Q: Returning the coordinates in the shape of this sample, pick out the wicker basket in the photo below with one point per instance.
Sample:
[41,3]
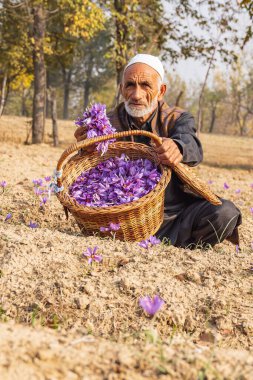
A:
[139,219]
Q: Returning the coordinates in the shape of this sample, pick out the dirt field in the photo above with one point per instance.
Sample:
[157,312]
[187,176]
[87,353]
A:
[62,319]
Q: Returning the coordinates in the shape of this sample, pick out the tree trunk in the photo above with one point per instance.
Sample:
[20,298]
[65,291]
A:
[51,96]
[39,75]
[3,96]
[178,98]
[121,36]
[47,100]
[87,83]
[86,94]
[201,95]
[67,79]
[213,118]
[54,118]
[25,95]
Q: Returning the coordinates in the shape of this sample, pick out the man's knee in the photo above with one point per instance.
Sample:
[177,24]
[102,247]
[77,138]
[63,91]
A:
[228,213]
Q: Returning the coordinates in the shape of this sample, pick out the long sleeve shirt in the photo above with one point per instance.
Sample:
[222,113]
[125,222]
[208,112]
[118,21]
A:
[183,132]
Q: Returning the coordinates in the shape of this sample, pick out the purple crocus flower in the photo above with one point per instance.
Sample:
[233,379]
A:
[38,182]
[151,306]
[144,244]
[47,178]
[237,248]
[114,226]
[91,254]
[251,210]
[150,242]
[3,184]
[237,191]
[43,201]
[8,216]
[154,240]
[38,191]
[32,224]
[104,229]
[209,182]
[96,122]
[226,186]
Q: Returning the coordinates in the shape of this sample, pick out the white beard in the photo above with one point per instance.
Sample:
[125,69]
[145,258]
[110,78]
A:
[136,112]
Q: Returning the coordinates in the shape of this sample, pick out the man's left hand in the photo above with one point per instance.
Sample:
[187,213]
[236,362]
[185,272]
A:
[169,153]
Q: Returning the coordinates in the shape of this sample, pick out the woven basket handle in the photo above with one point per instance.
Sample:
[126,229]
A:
[87,142]
[181,170]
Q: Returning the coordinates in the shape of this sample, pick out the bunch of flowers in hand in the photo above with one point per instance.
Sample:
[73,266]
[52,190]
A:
[96,122]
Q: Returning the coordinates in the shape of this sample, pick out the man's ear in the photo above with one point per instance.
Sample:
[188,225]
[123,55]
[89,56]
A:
[163,89]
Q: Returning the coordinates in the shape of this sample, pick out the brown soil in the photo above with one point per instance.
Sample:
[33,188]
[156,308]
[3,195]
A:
[61,319]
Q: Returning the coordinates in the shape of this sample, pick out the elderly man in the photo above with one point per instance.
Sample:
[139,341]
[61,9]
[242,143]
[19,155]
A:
[189,220]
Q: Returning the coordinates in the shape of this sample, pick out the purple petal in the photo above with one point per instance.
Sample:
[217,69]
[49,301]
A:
[3,184]
[114,226]
[104,229]
[154,240]
[144,244]
[8,216]
[32,225]
[98,258]
[151,306]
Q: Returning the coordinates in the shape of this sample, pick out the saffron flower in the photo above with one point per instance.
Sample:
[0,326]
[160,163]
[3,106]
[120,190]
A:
[47,178]
[8,216]
[97,124]
[38,191]
[3,184]
[38,182]
[150,242]
[43,201]
[104,229]
[114,226]
[92,256]
[144,244]
[115,181]
[151,306]
[154,240]
[226,186]
[209,182]
[237,191]
[33,224]
[237,248]
[251,210]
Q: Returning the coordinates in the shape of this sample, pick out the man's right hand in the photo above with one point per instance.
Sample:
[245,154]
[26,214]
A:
[80,135]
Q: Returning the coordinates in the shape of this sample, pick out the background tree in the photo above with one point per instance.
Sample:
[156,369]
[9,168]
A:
[79,19]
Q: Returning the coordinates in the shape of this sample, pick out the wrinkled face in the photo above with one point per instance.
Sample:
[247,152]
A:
[141,89]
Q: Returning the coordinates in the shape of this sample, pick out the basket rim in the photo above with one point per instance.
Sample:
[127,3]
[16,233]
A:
[71,203]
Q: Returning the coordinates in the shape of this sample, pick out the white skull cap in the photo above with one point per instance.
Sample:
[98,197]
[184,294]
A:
[149,60]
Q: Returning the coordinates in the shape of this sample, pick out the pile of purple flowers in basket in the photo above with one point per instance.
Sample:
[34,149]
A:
[115,181]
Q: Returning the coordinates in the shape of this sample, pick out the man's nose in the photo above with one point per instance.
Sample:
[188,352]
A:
[137,93]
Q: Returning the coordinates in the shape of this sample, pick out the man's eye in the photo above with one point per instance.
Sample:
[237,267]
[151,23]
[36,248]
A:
[129,85]
[146,85]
